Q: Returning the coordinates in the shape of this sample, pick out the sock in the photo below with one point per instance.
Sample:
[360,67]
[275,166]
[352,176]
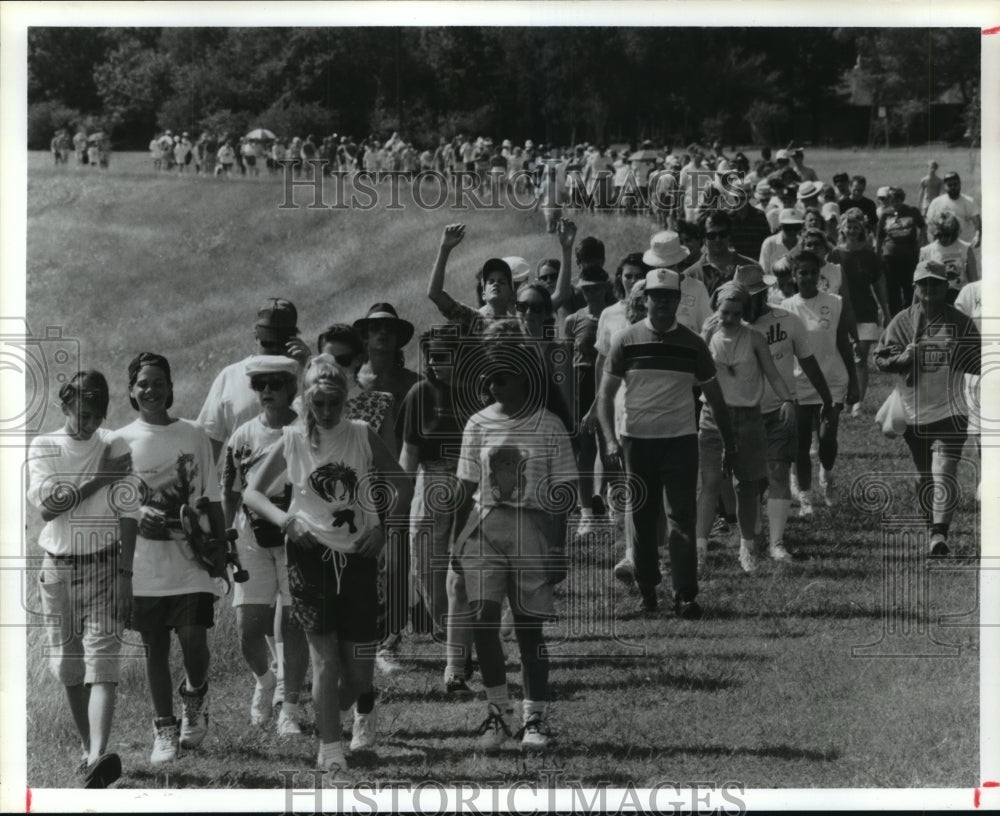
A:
[824,475]
[201,690]
[777,518]
[279,656]
[269,640]
[331,753]
[529,707]
[746,544]
[290,710]
[366,702]
[159,722]
[498,696]
[266,680]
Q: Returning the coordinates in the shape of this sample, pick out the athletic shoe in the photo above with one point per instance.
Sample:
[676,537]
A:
[194,723]
[107,768]
[856,410]
[688,610]
[166,735]
[334,770]
[829,490]
[778,552]
[261,706]
[721,529]
[625,571]
[456,688]
[939,546]
[747,560]
[288,722]
[365,732]
[533,738]
[805,504]
[81,769]
[493,731]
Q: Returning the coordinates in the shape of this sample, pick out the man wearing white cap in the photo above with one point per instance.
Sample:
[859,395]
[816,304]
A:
[782,242]
[929,346]
[661,361]
[665,252]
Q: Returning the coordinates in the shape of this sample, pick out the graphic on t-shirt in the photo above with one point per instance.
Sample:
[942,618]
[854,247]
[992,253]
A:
[507,477]
[168,493]
[337,482]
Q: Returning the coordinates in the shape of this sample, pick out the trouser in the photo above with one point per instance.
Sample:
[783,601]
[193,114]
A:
[808,419]
[668,469]
[899,281]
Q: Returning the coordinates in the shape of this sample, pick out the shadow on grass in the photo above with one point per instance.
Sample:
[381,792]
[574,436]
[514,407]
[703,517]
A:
[583,662]
[617,750]
[142,778]
[564,689]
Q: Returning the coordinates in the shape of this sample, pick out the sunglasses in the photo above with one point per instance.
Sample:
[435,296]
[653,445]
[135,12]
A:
[525,306]
[263,383]
[344,360]
[712,236]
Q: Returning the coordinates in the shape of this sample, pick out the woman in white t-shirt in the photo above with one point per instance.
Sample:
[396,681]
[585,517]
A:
[955,254]
[334,530]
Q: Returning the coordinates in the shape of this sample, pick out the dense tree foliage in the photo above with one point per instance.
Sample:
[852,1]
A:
[549,84]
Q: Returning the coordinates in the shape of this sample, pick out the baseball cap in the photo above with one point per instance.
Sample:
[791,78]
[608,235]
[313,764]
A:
[520,269]
[496,265]
[951,174]
[789,216]
[277,320]
[930,269]
[665,280]
[882,192]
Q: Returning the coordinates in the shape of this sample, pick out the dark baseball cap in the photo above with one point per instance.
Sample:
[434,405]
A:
[277,319]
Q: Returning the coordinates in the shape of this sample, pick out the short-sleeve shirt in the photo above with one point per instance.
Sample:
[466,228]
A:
[471,321]
[230,403]
[581,327]
[866,205]
[737,368]
[862,269]
[612,319]
[176,466]
[964,208]
[56,458]
[695,305]
[900,231]
[954,257]
[516,461]
[970,302]
[431,422]
[788,341]
[821,316]
[660,370]
[245,452]
[331,481]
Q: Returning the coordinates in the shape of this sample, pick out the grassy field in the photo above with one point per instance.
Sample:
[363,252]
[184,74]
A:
[768,689]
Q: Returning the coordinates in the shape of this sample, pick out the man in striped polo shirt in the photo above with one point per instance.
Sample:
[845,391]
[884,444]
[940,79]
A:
[661,361]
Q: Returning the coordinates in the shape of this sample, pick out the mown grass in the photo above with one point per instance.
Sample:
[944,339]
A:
[764,690]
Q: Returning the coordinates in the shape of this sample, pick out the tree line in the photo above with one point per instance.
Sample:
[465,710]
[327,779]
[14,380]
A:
[552,85]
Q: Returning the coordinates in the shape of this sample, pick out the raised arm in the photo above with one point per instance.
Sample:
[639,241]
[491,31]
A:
[450,238]
[561,299]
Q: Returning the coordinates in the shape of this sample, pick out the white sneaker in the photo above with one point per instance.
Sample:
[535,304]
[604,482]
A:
[586,527]
[533,737]
[856,410]
[493,731]
[778,552]
[805,504]
[288,721]
[194,723]
[747,560]
[365,732]
[334,770]
[261,708]
[165,741]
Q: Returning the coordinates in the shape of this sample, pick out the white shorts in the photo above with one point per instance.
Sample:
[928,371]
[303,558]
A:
[869,331]
[268,575]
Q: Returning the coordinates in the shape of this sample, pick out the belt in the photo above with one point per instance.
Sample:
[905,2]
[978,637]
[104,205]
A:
[90,558]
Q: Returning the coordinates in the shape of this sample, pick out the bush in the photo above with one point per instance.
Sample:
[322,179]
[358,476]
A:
[45,118]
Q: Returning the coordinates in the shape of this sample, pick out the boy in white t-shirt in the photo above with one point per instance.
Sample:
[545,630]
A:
[85,581]
[173,458]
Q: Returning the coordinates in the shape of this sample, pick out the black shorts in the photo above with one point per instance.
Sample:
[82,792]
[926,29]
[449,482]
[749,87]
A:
[334,593]
[152,613]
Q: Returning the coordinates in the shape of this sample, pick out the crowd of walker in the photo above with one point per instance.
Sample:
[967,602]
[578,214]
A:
[711,368]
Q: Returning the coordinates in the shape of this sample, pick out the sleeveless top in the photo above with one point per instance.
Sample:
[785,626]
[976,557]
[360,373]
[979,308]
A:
[331,486]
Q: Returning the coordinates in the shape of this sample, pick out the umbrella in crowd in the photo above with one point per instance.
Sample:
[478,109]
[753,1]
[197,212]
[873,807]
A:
[260,135]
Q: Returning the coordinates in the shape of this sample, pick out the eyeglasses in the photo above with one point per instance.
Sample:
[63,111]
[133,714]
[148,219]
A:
[714,236]
[530,307]
[263,383]
[344,360]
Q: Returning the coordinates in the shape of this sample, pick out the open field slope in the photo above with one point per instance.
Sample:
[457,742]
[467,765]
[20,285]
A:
[768,689]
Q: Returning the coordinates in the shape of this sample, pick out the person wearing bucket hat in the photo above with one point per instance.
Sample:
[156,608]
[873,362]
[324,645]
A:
[661,361]
[788,344]
[808,194]
[385,334]
[743,363]
[667,252]
[85,581]
[261,546]
[929,347]
[494,288]
[790,224]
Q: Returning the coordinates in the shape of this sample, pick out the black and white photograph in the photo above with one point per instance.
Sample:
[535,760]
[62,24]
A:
[504,406]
